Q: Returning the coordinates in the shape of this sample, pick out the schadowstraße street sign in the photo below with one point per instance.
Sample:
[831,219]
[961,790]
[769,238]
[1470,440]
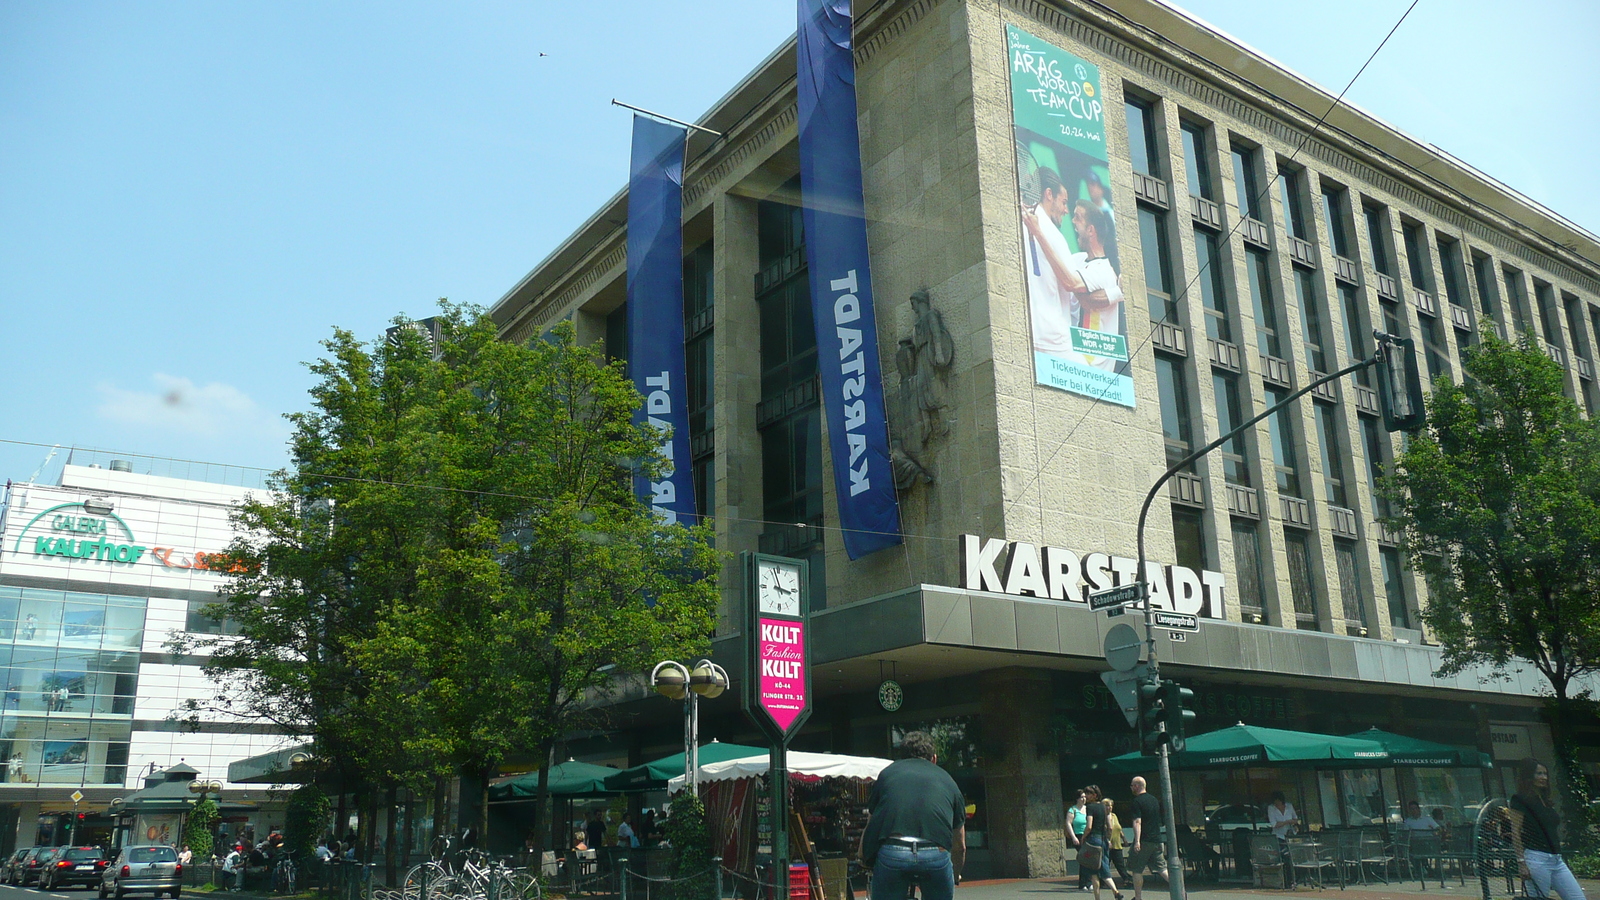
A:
[1117,596]
[1176,621]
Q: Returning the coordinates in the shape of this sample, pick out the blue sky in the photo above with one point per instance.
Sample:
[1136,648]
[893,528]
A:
[193,194]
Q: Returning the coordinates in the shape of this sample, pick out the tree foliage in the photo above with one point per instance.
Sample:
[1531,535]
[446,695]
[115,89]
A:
[197,830]
[1498,502]
[690,836]
[457,560]
[305,818]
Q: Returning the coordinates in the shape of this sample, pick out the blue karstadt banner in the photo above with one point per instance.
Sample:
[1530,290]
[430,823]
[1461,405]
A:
[835,224]
[655,310]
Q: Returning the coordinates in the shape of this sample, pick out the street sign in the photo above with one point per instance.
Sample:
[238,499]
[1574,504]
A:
[1117,596]
[1124,688]
[1115,611]
[1178,637]
[1178,621]
[1122,647]
[77,796]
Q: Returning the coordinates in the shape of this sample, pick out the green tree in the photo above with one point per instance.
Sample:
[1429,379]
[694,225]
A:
[305,818]
[197,830]
[457,561]
[1499,504]
[690,836]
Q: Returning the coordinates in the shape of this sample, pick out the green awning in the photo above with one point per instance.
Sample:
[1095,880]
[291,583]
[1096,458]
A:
[569,779]
[1252,745]
[654,775]
[1410,751]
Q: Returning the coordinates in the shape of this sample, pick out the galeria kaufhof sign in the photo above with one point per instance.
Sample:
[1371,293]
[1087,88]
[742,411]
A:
[71,531]
[1051,573]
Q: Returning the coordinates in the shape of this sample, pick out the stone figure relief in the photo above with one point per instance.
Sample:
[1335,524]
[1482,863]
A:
[923,360]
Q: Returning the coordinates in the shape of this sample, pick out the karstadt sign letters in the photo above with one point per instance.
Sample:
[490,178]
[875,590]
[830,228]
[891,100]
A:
[1024,569]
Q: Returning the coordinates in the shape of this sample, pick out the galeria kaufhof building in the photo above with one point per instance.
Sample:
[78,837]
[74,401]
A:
[1249,255]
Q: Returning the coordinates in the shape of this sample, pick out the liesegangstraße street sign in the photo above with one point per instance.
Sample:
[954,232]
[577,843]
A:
[1176,621]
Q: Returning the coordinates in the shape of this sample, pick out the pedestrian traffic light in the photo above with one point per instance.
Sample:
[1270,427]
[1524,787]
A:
[1177,699]
[1152,717]
[1399,383]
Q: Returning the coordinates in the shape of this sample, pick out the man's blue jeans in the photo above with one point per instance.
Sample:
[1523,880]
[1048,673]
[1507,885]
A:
[898,867]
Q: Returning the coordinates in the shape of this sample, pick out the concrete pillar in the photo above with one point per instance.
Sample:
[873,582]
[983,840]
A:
[27,824]
[1022,774]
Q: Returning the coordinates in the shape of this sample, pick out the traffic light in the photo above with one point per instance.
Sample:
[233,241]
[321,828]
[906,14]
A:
[1399,383]
[1152,717]
[1177,699]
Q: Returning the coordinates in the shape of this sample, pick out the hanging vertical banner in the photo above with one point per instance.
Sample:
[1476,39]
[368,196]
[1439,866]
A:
[1069,238]
[834,218]
[655,311]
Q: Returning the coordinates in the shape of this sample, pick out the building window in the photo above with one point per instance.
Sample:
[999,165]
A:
[1196,161]
[1355,335]
[1175,422]
[1213,289]
[1280,426]
[1434,347]
[1189,538]
[1450,263]
[1260,270]
[1514,298]
[1332,457]
[1581,346]
[699,303]
[1483,273]
[1142,137]
[1245,189]
[1378,236]
[1394,587]
[617,334]
[1393,322]
[1290,183]
[1301,585]
[1247,571]
[788,416]
[1305,288]
[1416,255]
[1338,230]
[1548,322]
[199,623]
[1352,596]
[1157,265]
[1375,465]
[1230,415]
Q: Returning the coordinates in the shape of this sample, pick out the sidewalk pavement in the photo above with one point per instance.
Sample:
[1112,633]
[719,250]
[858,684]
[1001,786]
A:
[1156,889]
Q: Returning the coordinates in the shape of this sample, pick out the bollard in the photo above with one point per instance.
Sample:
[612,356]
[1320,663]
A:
[622,873]
[716,866]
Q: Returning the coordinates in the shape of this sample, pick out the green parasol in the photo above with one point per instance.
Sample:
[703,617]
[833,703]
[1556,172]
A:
[1410,751]
[1252,745]
[569,779]
[654,775]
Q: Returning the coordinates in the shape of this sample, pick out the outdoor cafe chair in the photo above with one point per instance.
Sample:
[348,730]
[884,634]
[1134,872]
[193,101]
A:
[1309,857]
[1375,852]
[1266,858]
[1348,847]
[1424,851]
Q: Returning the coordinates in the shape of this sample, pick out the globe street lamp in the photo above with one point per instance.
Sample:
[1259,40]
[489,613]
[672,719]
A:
[199,787]
[675,682]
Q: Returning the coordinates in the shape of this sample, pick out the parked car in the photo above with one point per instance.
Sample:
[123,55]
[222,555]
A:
[143,869]
[1227,818]
[73,865]
[34,863]
[9,867]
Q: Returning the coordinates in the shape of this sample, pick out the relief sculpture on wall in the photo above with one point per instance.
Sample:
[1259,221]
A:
[923,360]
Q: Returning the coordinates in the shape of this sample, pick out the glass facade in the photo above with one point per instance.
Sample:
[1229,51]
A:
[71,674]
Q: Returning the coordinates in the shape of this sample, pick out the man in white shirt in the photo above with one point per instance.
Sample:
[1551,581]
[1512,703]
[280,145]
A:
[1043,243]
[1282,817]
[1097,305]
[1416,821]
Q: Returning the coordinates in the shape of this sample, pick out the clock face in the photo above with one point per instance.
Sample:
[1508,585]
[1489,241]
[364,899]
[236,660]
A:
[778,587]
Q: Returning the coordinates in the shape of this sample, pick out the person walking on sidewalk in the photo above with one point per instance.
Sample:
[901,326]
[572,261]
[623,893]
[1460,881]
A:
[1146,837]
[1539,833]
[1097,843]
[1075,824]
[1119,840]
[916,831]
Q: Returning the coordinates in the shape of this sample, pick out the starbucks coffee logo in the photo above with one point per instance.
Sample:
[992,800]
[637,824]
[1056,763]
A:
[890,696]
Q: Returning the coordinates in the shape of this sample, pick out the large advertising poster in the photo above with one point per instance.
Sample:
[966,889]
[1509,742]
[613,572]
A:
[1078,319]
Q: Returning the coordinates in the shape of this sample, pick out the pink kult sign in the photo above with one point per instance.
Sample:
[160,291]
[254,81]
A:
[781,656]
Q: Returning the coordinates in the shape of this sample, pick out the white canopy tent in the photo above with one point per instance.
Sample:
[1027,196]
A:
[809,765]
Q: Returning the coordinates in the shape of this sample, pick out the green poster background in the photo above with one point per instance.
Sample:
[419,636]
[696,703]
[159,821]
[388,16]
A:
[1058,120]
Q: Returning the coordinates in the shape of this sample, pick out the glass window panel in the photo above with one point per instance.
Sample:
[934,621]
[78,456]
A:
[1355,335]
[1141,137]
[1394,587]
[1230,414]
[1450,263]
[1265,308]
[1483,272]
[1174,408]
[1194,157]
[1311,320]
[1213,290]
[1157,264]
[1293,209]
[1301,585]
[1547,313]
[1514,297]
[1247,566]
[1354,599]
[1333,211]
[1376,460]
[1378,236]
[1280,426]
[1416,255]
[1189,538]
[1332,457]
[1244,182]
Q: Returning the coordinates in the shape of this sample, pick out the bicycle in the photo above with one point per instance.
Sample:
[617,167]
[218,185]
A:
[284,875]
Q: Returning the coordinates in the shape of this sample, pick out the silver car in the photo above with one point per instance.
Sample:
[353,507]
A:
[143,868]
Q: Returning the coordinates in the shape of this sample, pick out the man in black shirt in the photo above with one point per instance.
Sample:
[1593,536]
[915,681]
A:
[917,833]
[1146,821]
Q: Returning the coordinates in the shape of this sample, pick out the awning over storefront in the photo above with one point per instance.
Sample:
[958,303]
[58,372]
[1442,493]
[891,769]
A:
[806,765]
[1410,751]
[1252,745]
[569,779]
[654,775]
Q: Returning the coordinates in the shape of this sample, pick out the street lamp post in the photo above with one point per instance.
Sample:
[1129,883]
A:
[199,788]
[673,681]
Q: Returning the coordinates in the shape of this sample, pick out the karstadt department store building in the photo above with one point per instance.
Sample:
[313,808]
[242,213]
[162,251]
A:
[1251,251]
